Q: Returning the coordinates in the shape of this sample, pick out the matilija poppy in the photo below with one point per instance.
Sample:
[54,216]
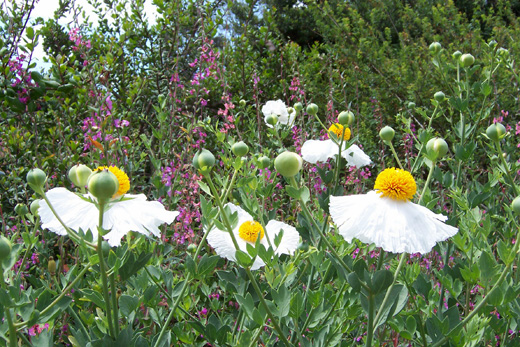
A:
[248,231]
[387,218]
[314,151]
[278,109]
[123,213]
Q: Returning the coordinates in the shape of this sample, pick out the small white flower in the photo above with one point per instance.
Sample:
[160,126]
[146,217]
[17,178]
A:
[388,219]
[279,109]
[221,240]
[122,214]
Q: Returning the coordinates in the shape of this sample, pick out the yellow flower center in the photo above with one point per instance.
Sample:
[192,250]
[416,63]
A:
[396,184]
[250,231]
[122,178]
[337,129]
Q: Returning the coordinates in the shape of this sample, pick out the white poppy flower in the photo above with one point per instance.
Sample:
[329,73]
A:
[247,231]
[122,214]
[387,217]
[278,109]
[314,151]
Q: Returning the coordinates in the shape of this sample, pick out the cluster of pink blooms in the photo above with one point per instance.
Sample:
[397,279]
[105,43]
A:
[297,93]
[227,114]
[79,43]
[22,79]
[37,329]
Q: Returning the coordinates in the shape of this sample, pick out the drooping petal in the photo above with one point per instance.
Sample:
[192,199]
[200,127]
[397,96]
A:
[135,213]
[314,151]
[74,211]
[290,239]
[356,157]
[395,226]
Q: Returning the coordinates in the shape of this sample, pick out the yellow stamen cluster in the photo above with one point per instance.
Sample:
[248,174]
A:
[250,231]
[337,129]
[396,184]
[122,177]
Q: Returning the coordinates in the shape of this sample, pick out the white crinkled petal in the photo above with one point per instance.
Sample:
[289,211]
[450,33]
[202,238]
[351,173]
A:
[396,226]
[314,151]
[290,238]
[278,108]
[135,213]
[356,157]
[75,212]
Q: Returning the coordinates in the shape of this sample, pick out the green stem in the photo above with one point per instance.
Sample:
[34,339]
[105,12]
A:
[506,168]
[12,329]
[281,335]
[427,183]
[395,154]
[115,307]
[370,331]
[103,271]
[256,336]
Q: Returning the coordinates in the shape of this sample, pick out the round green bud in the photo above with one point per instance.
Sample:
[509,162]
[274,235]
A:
[387,134]
[492,43]
[515,205]
[34,207]
[312,109]
[346,118]
[466,60]
[496,132]
[456,55]
[203,159]
[5,247]
[411,104]
[36,179]
[51,266]
[192,248]
[439,96]
[435,47]
[290,110]
[242,103]
[502,52]
[437,148]
[21,209]
[298,106]
[103,184]
[240,149]
[79,174]
[271,119]
[264,162]
[288,164]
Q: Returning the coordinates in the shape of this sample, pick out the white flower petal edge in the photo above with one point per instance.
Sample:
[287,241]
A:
[395,226]
[221,241]
[133,213]
[314,151]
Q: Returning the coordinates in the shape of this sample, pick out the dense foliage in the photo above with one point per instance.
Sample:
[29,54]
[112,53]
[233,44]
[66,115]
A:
[147,95]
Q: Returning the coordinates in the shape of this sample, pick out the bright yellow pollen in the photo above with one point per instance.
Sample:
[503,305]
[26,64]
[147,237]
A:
[122,177]
[396,184]
[337,129]
[250,231]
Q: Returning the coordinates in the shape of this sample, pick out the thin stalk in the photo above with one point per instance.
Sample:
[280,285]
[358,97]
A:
[371,308]
[506,168]
[281,335]
[113,293]
[12,329]
[427,183]
[256,336]
[395,154]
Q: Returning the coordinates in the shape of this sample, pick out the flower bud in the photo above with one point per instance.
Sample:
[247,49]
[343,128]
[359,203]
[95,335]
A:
[298,106]
[242,103]
[34,207]
[346,118]
[496,132]
[436,148]
[5,248]
[288,164]
[51,266]
[312,109]
[264,162]
[103,184]
[21,209]
[79,174]
[271,119]
[387,134]
[192,248]
[203,159]
[290,110]
[36,179]
[240,149]
[492,43]
[435,48]
[411,104]
[439,96]
[456,55]
[515,205]
[466,60]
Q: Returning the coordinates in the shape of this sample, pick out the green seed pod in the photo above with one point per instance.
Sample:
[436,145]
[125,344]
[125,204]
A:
[298,107]
[312,109]
[5,247]
[439,96]
[515,205]
[21,209]
[34,207]
[346,118]
[36,179]
[288,164]
[79,175]
[435,48]
[103,184]
[264,162]
[387,134]
[466,60]
[240,149]
[496,132]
